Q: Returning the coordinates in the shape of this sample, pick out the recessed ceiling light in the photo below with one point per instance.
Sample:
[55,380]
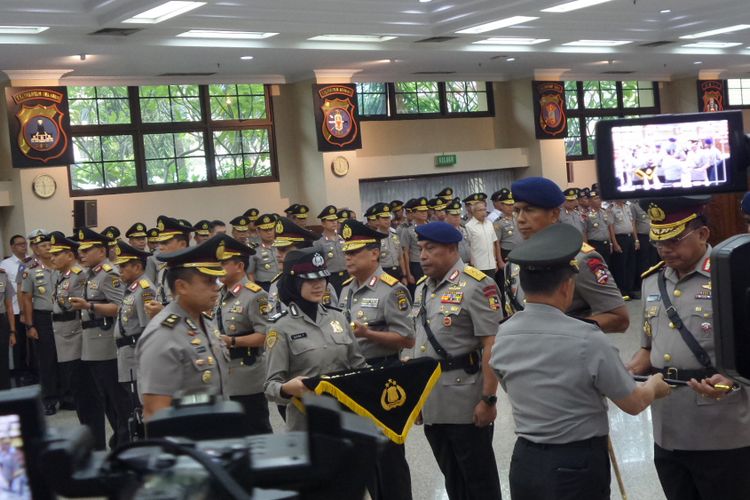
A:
[247,58]
[698,62]
[704,34]
[577,4]
[351,38]
[163,12]
[510,40]
[496,25]
[22,30]
[425,1]
[244,35]
[712,45]
[510,59]
[597,43]
[665,11]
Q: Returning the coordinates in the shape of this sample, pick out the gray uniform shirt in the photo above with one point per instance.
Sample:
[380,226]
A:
[243,310]
[103,286]
[622,217]
[299,346]
[685,420]
[5,290]
[464,246]
[333,253]
[507,232]
[390,250]
[642,220]
[409,241]
[176,353]
[37,281]
[461,307]
[263,264]
[152,267]
[163,292]
[573,218]
[597,225]
[131,321]
[383,303]
[557,371]
[68,333]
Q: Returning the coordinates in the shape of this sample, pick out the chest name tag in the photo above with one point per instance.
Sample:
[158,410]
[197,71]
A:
[653,298]
[452,298]
[370,302]
[298,336]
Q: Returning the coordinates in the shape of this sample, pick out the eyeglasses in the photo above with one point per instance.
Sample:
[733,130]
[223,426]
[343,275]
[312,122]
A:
[671,243]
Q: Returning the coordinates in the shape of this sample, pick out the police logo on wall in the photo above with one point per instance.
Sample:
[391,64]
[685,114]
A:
[710,95]
[549,109]
[39,126]
[336,117]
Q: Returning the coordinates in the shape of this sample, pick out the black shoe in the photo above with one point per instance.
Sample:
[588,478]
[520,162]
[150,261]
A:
[635,295]
[68,405]
[50,409]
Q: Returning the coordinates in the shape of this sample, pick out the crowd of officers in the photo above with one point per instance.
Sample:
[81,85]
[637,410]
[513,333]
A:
[125,323]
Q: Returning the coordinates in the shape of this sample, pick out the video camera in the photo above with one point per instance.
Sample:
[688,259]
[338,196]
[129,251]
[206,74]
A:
[684,155]
[332,460]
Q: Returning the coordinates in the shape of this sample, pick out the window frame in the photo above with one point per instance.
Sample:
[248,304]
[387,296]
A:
[727,105]
[206,126]
[581,113]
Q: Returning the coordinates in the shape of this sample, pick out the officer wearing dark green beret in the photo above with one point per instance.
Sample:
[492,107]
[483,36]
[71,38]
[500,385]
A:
[330,246]
[557,371]
[181,349]
[263,265]
[136,235]
[201,231]
[701,432]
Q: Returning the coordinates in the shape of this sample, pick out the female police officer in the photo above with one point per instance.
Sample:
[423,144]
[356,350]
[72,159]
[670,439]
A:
[307,339]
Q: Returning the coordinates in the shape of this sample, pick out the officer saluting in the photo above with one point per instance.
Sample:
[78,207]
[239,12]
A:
[457,310]
[557,370]
[180,349]
[702,448]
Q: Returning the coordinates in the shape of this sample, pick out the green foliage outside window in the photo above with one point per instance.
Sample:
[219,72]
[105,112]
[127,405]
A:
[98,105]
[103,162]
[242,154]
[245,101]
[466,97]
[372,99]
[417,97]
[169,103]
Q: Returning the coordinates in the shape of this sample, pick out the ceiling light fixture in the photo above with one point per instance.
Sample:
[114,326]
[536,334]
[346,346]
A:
[82,57]
[242,35]
[509,40]
[247,58]
[704,34]
[698,62]
[351,38]
[712,45]
[597,43]
[22,30]
[163,12]
[496,25]
[577,4]
[425,1]
[510,59]
[665,11]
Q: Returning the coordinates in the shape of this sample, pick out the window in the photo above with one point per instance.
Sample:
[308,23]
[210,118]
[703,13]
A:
[588,102]
[738,92]
[409,100]
[170,136]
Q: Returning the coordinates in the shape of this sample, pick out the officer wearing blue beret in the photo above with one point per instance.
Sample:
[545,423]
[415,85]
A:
[457,310]
[537,205]
[745,207]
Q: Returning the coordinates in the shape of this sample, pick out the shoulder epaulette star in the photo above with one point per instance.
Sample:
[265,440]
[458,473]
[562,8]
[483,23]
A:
[421,279]
[347,281]
[586,248]
[474,273]
[652,270]
[106,267]
[145,284]
[388,279]
[76,270]
[277,316]
[170,321]
[253,287]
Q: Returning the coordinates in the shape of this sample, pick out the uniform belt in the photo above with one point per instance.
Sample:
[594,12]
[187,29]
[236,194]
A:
[469,362]
[249,354]
[382,360]
[102,323]
[684,375]
[129,340]
[593,442]
[65,316]
[605,242]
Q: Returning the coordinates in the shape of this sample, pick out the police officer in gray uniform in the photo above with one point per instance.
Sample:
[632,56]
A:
[263,266]
[596,295]
[308,339]
[377,306]
[457,310]
[181,349]
[701,432]
[101,300]
[36,303]
[646,256]
[173,236]
[598,227]
[569,213]
[625,245]
[453,212]
[137,237]
[329,244]
[7,328]
[558,372]
[418,208]
[241,316]
[69,281]
[505,225]
[391,254]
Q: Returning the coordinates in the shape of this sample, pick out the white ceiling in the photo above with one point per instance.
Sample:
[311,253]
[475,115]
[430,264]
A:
[290,56]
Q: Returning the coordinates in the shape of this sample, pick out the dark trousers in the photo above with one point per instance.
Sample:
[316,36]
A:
[415,268]
[4,352]
[703,475]
[504,254]
[24,357]
[86,399]
[114,398]
[465,457]
[623,264]
[573,471]
[391,479]
[45,344]
[337,279]
[645,257]
[256,410]
[490,272]
[395,271]
[603,249]
[265,285]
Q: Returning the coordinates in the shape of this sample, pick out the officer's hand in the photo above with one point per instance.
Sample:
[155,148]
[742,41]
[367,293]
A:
[31,332]
[12,339]
[707,386]
[295,387]
[226,339]
[79,303]
[359,329]
[661,388]
[404,281]
[640,363]
[152,308]
[617,248]
[637,244]
[484,414]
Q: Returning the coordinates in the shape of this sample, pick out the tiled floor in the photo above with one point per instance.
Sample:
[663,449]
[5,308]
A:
[631,437]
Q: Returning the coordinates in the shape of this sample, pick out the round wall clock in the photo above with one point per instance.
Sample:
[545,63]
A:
[340,166]
[44,186]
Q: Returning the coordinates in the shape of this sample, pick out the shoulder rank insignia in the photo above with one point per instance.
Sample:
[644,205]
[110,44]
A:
[253,287]
[347,281]
[208,315]
[76,270]
[586,248]
[170,321]
[474,273]
[421,279]
[277,316]
[652,270]
[388,279]
[145,284]
[106,267]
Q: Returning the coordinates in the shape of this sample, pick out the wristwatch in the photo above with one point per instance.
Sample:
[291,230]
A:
[490,400]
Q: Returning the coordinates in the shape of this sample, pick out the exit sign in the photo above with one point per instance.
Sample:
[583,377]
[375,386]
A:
[445,160]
